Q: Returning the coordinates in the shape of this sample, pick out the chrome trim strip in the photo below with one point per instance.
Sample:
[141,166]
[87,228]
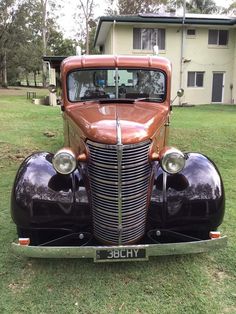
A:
[117,82]
[124,183]
[127,146]
[105,196]
[118,131]
[103,165]
[119,161]
[90,251]
[115,198]
[105,181]
[164,187]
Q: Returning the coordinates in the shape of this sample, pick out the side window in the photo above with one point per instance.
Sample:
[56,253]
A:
[147,38]
[191,32]
[73,87]
[218,37]
[195,79]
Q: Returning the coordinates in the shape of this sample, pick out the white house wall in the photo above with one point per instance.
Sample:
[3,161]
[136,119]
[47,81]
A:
[197,55]
[108,44]
[208,59]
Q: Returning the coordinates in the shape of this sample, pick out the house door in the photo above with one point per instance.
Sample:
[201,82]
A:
[217,87]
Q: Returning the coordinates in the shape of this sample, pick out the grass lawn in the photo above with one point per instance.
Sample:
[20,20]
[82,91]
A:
[204,283]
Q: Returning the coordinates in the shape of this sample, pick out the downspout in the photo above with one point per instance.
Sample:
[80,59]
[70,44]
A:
[182,49]
[49,70]
[113,37]
[52,81]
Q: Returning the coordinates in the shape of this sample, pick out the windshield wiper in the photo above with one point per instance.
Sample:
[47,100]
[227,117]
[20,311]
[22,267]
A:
[116,100]
[159,99]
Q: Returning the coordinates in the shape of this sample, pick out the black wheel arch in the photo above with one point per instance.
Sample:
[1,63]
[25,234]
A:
[191,199]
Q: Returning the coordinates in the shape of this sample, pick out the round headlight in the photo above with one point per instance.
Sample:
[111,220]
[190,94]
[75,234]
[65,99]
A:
[64,161]
[173,161]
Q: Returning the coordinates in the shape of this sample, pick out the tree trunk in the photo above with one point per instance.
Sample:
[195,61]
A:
[35,79]
[44,40]
[87,38]
[27,79]
[4,72]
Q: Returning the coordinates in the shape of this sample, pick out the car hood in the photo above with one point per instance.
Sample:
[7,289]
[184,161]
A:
[98,122]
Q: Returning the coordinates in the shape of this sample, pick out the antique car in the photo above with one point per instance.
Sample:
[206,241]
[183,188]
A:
[116,191]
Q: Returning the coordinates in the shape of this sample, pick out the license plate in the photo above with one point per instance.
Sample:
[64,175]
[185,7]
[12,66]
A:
[120,254]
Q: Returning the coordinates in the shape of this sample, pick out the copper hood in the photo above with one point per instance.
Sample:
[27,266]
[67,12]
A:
[139,121]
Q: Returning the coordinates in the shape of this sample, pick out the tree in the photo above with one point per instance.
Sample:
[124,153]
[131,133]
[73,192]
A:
[112,8]
[85,16]
[152,6]
[92,34]
[58,46]
[25,53]
[201,6]
[139,6]
[26,34]
[230,10]
[232,6]
[134,7]
[42,21]
[19,38]
[7,12]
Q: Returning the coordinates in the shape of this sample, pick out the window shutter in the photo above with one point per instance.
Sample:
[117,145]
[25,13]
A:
[161,38]
[136,38]
[212,37]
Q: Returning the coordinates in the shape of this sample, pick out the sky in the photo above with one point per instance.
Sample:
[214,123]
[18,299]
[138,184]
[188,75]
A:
[67,23]
[223,3]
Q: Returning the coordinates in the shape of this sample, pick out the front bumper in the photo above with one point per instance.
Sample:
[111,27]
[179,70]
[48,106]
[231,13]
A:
[118,253]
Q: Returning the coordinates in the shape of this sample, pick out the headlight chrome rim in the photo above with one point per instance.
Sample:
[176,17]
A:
[64,161]
[173,161]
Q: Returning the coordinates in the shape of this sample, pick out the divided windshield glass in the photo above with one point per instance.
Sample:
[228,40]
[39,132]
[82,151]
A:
[122,83]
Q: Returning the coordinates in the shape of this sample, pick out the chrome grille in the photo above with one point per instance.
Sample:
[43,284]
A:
[108,195]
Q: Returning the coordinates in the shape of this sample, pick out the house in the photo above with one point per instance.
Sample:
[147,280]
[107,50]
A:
[54,64]
[202,49]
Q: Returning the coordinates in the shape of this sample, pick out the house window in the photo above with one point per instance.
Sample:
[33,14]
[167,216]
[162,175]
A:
[147,38]
[191,32]
[195,79]
[218,37]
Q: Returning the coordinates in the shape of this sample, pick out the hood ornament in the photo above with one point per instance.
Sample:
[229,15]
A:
[118,130]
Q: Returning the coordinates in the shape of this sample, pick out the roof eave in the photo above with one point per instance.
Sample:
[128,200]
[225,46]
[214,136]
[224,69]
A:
[162,20]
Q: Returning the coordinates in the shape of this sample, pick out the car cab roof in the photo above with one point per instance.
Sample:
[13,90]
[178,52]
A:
[100,61]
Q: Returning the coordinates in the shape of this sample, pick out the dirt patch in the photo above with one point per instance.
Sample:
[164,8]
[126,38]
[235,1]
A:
[10,152]
[49,134]
[21,91]
[220,275]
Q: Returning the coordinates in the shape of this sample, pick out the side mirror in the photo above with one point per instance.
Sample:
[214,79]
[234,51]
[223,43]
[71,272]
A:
[52,88]
[180,92]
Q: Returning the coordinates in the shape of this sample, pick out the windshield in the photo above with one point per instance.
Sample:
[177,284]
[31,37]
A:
[116,83]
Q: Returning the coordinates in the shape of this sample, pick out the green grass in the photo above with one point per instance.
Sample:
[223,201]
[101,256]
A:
[204,283]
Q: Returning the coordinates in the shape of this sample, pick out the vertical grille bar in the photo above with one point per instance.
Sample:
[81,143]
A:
[119,164]
[119,177]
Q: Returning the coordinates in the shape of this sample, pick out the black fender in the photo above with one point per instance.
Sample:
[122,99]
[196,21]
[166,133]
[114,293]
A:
[42,198]
[190,200]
